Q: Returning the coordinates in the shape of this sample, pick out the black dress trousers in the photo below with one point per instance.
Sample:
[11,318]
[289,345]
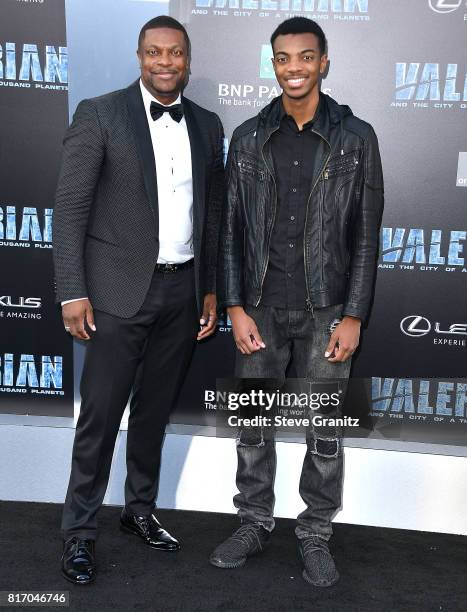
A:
[146,356]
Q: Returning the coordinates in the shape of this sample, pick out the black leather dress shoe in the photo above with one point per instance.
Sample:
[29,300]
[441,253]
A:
[78,564]
[150,530]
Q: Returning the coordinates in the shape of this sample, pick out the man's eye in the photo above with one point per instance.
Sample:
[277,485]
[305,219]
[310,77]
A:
[281,60]
[308,57]
[152,52]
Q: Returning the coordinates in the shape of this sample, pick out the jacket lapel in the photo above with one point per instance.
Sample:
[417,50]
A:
[198,166]
[144,146]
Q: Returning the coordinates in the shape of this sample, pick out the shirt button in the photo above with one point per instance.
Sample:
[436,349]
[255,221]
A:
[294,189]
[292,218]
[289,274]
[295,163]
[291,245]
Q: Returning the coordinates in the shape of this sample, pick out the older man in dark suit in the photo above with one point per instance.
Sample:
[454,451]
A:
[135,247]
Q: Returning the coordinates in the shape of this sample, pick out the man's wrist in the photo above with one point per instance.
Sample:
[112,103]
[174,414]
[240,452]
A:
[353,319]
[232,311]
[73,300]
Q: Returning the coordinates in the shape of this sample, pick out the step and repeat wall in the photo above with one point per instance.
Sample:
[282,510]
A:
[36,357]
[409,376]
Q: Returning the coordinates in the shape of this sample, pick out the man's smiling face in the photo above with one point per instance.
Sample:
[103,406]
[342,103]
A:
[164,63]
[298,64]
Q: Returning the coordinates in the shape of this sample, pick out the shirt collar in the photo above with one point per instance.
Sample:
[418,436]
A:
[148,98]
[283,115]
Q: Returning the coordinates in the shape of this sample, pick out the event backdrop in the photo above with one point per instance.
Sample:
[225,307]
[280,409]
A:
[413,90]
[409,82]
[36,356]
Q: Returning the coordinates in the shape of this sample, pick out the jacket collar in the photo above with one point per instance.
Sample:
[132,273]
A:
[331,113]
[143,144]
[146,153]
[198,155]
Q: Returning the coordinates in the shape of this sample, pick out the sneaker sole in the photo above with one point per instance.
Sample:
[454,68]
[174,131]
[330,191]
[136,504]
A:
[223,565]
[235,564]
[319,584]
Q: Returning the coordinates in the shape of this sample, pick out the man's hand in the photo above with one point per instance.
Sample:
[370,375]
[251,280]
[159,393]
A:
[75,314]
[209,319]
[344,340]
[245,332]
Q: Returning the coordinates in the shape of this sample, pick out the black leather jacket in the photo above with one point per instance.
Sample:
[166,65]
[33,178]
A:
[343,213]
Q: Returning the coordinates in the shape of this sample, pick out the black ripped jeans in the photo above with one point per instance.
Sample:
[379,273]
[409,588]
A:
[300,336]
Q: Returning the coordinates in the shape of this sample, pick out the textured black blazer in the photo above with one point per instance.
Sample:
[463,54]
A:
[106,237]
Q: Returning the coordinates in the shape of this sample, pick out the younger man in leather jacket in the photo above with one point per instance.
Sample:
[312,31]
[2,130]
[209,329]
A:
[297,267]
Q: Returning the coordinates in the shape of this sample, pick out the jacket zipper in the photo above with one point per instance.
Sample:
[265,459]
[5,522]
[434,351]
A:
[273,216]
[309,304]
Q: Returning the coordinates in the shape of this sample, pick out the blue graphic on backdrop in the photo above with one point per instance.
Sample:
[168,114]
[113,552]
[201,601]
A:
[21,226]
[346,6]
[420,397]
[422,247]
[224,324]
[431,82]
[266,68]
[35,374]
[340,10]
[31,65]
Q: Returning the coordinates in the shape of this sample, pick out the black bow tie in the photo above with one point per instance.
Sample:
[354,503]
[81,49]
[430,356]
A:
[175,111]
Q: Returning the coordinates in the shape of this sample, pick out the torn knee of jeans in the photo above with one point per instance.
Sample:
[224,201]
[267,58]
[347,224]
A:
[250,437]
[324,447]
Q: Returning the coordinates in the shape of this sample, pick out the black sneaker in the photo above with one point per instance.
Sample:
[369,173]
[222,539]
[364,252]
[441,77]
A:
[248,540]
[320,569]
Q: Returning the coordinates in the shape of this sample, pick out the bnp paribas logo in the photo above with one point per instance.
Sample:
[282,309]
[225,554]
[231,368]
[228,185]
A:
[462,170]
[266,70]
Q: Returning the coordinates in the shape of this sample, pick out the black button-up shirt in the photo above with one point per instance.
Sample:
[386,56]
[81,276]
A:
[293,152]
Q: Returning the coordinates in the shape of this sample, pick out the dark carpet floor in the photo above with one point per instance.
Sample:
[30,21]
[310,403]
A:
[381,569]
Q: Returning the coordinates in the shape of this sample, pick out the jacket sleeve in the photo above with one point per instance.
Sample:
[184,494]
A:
[214,210]
[82,159]
[368,213]
[230,271]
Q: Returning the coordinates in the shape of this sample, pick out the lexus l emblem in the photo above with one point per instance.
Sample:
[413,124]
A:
[415,326]
[444,6]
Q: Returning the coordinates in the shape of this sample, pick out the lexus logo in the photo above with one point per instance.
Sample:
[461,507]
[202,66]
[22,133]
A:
[444,6]
[22,302]
[415,326]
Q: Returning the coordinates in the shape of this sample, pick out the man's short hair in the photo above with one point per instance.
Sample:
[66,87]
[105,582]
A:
[301,25]
[164,21]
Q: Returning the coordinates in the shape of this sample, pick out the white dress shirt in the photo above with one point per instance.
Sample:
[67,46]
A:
[172,154]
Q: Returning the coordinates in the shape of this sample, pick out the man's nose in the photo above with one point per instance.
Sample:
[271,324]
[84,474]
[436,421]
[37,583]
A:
[294,65]
[164,59]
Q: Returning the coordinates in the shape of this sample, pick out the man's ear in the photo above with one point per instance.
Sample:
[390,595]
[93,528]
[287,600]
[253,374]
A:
[324,63]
